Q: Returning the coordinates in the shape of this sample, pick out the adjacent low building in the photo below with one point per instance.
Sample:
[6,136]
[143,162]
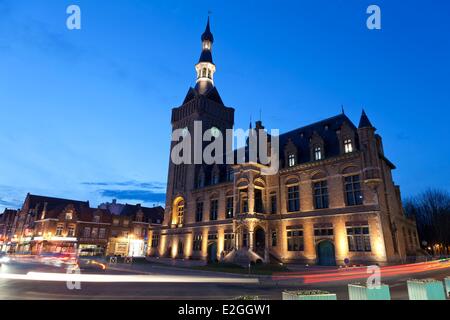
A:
[54,225]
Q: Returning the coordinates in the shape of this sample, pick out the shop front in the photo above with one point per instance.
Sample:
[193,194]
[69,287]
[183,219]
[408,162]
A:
[63,245]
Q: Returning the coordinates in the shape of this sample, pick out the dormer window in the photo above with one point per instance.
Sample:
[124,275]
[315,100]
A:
[348,146]
[317,153]
[69,215]
[291,160]
[96,218]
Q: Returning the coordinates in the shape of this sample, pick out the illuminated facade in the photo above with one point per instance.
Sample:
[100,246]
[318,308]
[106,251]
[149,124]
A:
[332,201]
[53,225]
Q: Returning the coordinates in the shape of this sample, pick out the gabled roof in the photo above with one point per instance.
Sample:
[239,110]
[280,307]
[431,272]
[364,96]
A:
[52,203]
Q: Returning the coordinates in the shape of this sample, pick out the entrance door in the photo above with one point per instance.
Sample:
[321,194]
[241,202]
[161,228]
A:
[260,242]
[325,253]
[212,252]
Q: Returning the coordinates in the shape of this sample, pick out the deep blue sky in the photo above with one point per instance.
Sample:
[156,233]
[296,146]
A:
[86,114]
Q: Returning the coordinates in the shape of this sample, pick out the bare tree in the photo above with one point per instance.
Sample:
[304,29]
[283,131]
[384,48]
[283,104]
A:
[432,212]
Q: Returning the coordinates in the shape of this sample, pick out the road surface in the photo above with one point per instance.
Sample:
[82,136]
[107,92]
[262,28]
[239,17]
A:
[265,288]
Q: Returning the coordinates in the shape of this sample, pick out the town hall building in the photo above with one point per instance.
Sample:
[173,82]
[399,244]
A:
[333,200]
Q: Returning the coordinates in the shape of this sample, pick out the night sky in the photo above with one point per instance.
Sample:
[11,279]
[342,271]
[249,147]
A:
[85,114]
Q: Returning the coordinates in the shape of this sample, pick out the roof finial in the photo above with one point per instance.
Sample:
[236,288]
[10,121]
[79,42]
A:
[343,110]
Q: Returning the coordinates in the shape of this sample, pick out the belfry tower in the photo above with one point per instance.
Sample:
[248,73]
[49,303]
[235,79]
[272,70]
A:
[201,104]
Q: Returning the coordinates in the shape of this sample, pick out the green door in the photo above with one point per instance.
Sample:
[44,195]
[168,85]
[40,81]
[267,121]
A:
[212,252]
[325,253]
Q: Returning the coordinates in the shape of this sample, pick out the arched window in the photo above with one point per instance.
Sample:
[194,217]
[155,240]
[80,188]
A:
[180,212]
[317,153]
[348,145]
[291,160]
[201,180]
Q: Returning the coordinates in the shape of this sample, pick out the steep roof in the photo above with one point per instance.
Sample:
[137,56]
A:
[326,129]
[364,122]
[151,215]
[211,94]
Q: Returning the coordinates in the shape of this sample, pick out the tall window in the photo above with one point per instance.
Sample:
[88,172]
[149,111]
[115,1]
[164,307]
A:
[71,231]
[291,160]
[213,213]
[102,233]
[317,153]
[353,192]
[274,238]
[229,242]
[244,204]
[295,240]
[87,232]
[59,230]
[201,180]
[348,146]
[230,207]
[155,240]
[358,239]
[180,212]
[321,195]
[230,174]
[293,199]
[199,212]
[197,244]
[94,233]
[273,204]
[215,178]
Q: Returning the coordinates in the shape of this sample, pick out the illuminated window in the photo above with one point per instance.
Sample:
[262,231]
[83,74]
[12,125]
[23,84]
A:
[126,223]
[213,213]
[353,192]
[348,146]
[295,240]
[321,195]
[317,153]
[71,231]
[293,199]
[291,160]
[180,212]
[94,233]
[230,207]
[197,244]
[59,230]
[69,215]
[358,239]
[116,222]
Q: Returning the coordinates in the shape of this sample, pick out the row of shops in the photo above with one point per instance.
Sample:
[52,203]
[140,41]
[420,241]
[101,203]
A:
[69,245]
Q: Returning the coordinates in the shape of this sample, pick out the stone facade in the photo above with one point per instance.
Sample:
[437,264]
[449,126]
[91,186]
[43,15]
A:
[332,201]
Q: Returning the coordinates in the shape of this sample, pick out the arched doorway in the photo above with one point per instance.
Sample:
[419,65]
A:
[325,253]
[212,252]
[260,242]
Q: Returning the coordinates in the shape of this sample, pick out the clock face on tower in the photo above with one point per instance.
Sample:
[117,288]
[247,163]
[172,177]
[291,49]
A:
[215,132]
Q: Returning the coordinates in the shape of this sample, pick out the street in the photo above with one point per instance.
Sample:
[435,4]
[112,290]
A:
[201,285]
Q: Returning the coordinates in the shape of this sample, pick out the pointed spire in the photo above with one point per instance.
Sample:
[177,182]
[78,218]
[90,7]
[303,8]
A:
[207,35]
[364,122]
[343,110]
